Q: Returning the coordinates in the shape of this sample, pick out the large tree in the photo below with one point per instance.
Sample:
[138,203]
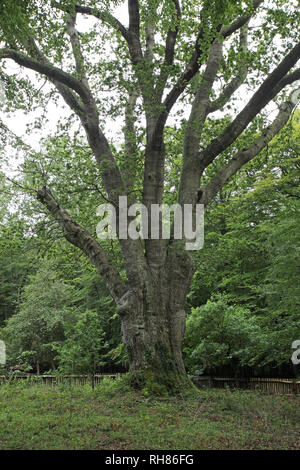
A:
[171,56]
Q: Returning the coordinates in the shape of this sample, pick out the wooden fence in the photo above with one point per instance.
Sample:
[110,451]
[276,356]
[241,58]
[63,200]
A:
[268,385]
[53,380]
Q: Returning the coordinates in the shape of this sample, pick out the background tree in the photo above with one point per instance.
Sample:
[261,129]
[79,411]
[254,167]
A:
[17,254]
[31,333]
[169,53]
[82,350]
[219,334]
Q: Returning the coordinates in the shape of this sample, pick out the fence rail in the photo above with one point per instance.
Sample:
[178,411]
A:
[267,385]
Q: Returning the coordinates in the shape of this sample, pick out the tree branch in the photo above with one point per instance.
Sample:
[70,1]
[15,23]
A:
[241,21]
[134,41]
[237,81]
[104,16]
[50,71]
[134,16]
[150,31]
[290,78]
[273,84]
[88,115]
[190,176]
[80,238]
[76,47]
[131,148]
[194,64]
[172,35]
[190,71]
[68,95]
[247,154]
[201,101]
[131,35]
[169,53]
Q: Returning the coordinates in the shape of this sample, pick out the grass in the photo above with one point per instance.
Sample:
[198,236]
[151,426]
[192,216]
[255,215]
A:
[116,418]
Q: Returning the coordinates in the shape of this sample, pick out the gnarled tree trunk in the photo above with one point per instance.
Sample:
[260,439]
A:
[153,321]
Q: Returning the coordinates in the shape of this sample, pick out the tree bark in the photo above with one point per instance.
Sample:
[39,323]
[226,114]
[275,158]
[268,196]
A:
[153,323]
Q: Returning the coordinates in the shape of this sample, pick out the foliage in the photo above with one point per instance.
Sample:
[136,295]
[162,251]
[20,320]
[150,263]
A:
[46,303]
[251,251]
[18,256]
[217,333]
[82,350]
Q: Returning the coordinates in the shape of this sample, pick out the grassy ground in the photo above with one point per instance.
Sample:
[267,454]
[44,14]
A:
[113,417]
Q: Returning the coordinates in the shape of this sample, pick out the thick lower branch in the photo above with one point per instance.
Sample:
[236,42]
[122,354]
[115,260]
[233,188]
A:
[81,238]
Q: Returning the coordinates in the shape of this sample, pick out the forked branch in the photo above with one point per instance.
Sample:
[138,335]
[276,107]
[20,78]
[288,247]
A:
[247,154]
[272,85]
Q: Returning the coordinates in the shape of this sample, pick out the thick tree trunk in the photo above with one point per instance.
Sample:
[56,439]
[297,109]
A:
[153,325]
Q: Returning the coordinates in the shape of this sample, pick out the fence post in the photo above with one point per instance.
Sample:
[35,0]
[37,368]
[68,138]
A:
[294,386]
